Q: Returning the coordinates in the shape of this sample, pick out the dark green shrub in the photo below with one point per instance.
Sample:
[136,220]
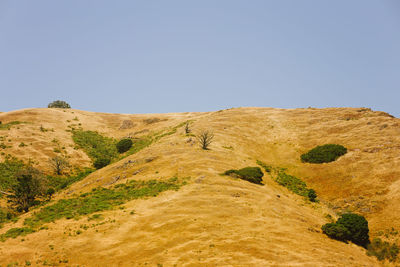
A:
[349,227]
[251,174]
[124,145]
[324,153]
[357,226]
[58,104]
[312,195]
[101,162]
[383,250]
[336,231]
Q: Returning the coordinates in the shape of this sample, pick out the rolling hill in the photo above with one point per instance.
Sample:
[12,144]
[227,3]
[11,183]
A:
[210,219]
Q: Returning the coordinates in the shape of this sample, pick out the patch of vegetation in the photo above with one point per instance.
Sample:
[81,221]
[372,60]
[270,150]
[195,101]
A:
[11,167]
[100,199]
[101,162]
[8,126]
[291,182]
[312,195]
[8,170]
[349,227]
[336,231]
[388,232]
[266,167]
[103,150]
[59,183]
[251,174]
[324,154]
[124,145]
[15,232]
[28,188]
[5,216]
[139,144]
[99,148]
[24,186]
[383,250]
[58,104]
[97,217]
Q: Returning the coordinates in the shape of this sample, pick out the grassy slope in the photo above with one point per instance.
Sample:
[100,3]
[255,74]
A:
[218,220]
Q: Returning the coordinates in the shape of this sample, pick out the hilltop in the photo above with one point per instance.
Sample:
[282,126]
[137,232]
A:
[212,219]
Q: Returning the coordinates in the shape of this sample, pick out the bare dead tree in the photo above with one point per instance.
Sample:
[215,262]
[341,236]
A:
[187,128]
[59,164]
[205,138]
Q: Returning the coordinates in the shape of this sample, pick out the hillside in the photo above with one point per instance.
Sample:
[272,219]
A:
[213,220]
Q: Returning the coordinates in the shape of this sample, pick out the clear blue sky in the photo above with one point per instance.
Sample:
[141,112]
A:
[175,56]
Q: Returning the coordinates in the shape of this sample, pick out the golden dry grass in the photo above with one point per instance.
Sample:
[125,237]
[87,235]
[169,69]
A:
[217,220]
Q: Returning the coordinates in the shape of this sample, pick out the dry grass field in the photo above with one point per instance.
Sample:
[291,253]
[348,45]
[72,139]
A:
[213,220]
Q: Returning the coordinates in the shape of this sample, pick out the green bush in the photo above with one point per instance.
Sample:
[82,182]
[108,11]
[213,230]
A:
[124,145]
[251,174]
[101,162]
[58,104]
[349,227]
[383,250]
[357,226]
[336,231]
[312,195]
[324,153]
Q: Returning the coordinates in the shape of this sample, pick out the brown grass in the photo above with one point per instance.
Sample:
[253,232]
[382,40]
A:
[217,220]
